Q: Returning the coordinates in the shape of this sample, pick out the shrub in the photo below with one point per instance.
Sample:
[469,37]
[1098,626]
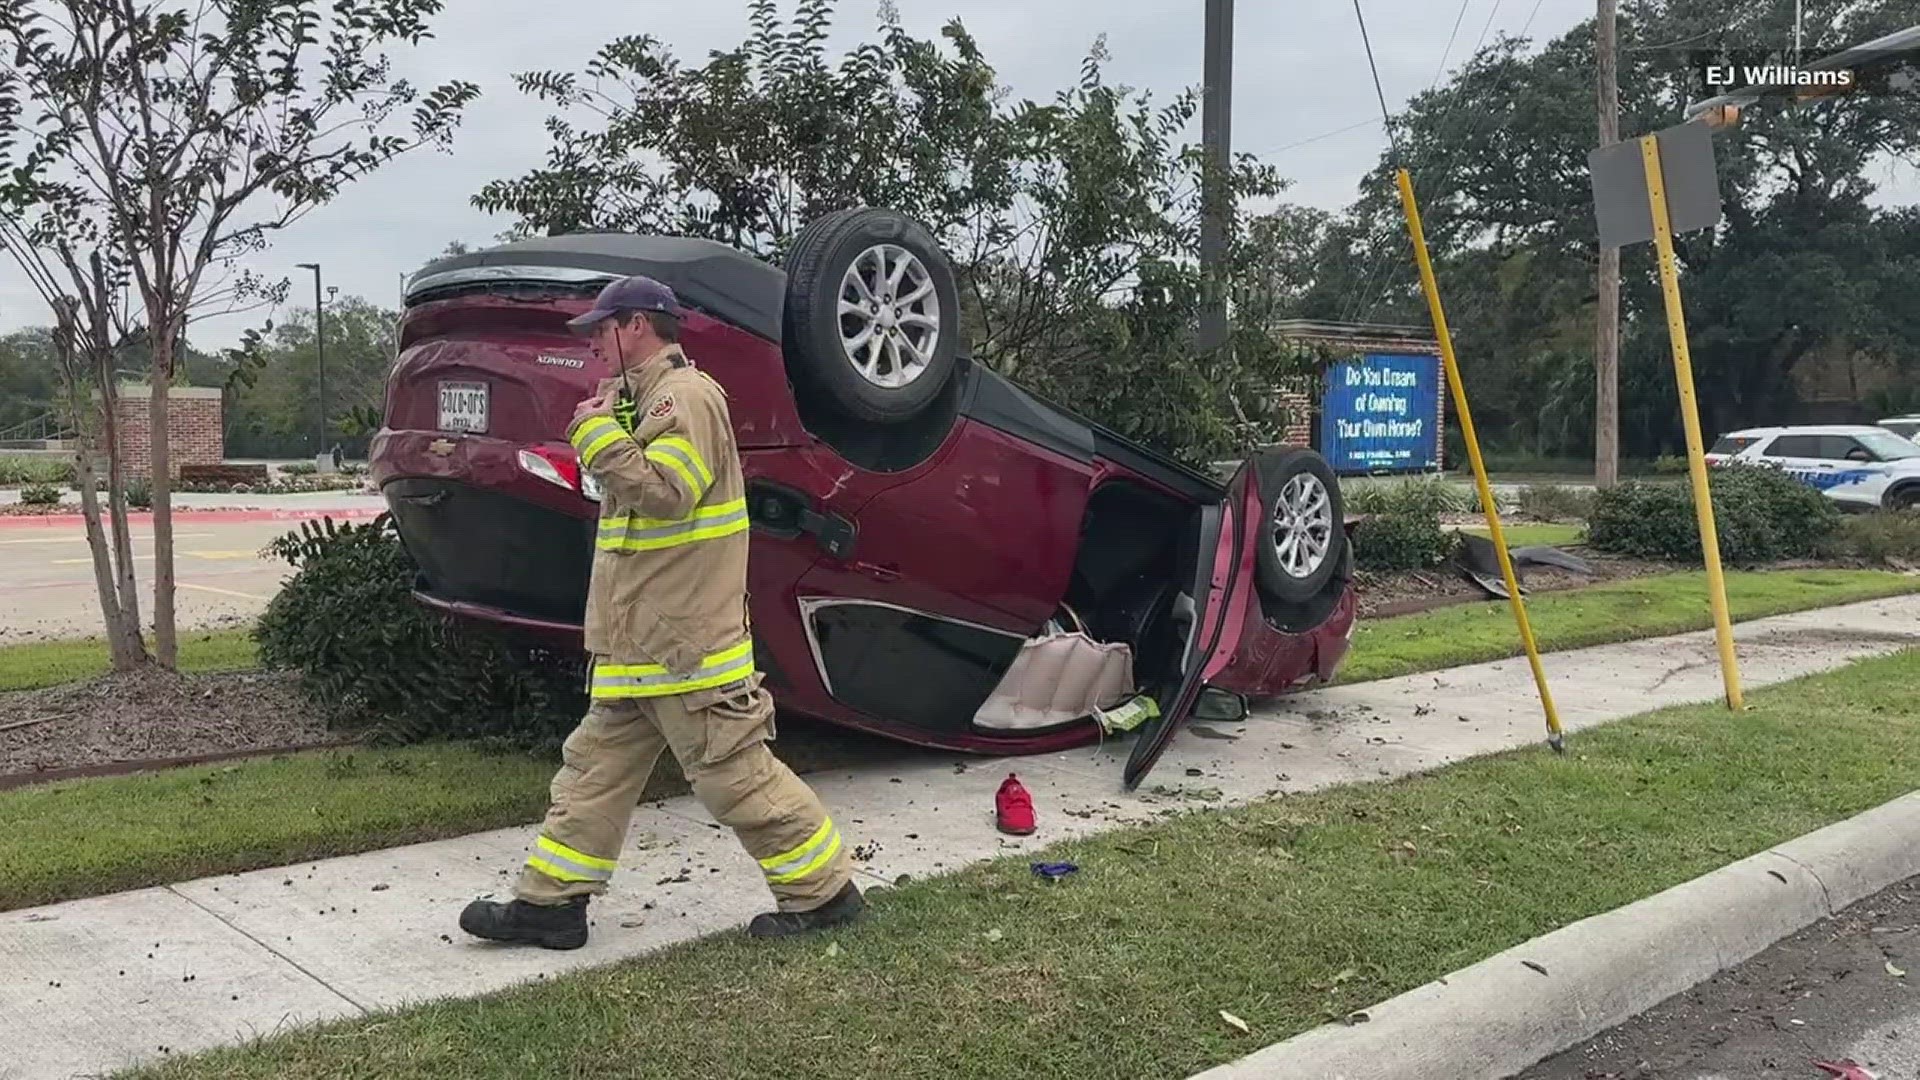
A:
[1879,537]
[1555,502]
[220,477]
[35,470]
[139,493]
[372,659]
[1670,465]
[300,468]
[1761,515]
[1430,495]
[1401,541]
[40,494]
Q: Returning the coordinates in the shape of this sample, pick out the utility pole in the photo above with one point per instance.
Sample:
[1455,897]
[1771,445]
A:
[1606,343]
[1216,138]
[320,356]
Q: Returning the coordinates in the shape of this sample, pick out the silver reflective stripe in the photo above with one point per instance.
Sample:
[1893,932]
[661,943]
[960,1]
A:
[625,530]
[799,862]
[554,858]
[693,467]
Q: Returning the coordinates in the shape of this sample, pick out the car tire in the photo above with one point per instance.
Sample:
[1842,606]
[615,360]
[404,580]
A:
[889,363]
[1904,498]
[1302,532]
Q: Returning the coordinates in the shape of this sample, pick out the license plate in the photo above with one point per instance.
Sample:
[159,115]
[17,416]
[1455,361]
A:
[463,406]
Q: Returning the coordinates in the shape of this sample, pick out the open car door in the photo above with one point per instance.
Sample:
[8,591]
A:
[1221,587]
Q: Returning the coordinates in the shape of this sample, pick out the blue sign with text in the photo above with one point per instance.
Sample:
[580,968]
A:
[1380,413]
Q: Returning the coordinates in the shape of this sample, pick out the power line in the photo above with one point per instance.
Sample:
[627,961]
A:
[1366,298]
[1441,67]
[1386,116]
[1452,159]
[1368,122]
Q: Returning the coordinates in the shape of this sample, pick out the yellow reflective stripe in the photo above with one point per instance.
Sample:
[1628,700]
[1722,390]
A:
[612,681]
[594,429]
[557,860]
[594,449]
[678,467]
[774,862]
[818,851]
[625,521]
[675,442]
[679,455]
[549,844]
[626,532]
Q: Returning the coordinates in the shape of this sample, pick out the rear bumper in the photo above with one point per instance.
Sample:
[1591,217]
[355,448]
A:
[493,543]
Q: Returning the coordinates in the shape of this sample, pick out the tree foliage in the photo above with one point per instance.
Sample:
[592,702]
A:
[1804,292]
[273,406]
[152,143]
[1073,224]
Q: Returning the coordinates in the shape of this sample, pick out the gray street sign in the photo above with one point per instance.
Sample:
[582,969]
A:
[1620,205]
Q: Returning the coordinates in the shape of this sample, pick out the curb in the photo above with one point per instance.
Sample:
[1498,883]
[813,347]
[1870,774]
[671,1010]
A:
[1502,1016]
[181,514]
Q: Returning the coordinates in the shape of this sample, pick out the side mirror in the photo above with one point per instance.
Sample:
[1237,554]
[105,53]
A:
[1220,705]
[1859,454]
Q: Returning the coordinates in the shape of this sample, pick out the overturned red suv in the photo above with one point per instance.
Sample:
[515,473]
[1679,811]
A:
[938,555]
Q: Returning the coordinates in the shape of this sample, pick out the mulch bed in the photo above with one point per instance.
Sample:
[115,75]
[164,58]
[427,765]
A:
[153,714]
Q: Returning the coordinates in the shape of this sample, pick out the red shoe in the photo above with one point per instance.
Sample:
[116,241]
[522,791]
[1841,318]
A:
[1013,808]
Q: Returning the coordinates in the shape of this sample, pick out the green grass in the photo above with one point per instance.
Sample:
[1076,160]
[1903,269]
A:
[50,663]
[103,835]
[111,833]
[1527,535]
[1286,913]
[1599,615]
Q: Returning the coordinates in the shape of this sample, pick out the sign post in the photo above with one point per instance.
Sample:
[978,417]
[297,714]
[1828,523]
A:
[1555,737]
[1649,189]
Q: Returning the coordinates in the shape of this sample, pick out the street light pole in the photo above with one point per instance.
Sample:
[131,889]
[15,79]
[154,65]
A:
[320,356]
[1216,115]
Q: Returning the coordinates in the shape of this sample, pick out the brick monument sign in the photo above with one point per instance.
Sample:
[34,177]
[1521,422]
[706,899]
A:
[195,427]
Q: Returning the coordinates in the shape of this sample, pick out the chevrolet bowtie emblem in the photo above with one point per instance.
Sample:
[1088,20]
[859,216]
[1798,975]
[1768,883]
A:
[443,447]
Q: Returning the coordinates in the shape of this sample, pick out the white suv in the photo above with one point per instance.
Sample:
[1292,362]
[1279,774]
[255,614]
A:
[1907,427]
[1859,467]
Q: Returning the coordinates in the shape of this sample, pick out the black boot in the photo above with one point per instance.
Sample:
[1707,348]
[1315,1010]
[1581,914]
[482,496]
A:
[562,926]
[845,907]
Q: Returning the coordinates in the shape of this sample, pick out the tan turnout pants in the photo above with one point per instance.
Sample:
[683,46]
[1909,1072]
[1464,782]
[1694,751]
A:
[720,739]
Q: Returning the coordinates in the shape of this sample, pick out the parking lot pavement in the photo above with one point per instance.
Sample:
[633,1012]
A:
[47,588]
[311,500]
[1829,993]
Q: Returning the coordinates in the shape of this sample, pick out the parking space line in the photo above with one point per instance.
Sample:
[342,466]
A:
[222,592]
[82,538]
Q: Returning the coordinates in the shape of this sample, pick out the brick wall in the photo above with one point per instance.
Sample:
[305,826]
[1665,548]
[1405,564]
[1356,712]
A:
[195,428]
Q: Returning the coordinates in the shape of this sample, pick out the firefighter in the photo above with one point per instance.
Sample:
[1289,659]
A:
[671,645]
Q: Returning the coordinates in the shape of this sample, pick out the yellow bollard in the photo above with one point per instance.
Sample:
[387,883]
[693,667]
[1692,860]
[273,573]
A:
[1555,738]
[1690,417]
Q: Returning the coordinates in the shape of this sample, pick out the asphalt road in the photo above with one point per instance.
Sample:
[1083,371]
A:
[1830,993]
[47,587]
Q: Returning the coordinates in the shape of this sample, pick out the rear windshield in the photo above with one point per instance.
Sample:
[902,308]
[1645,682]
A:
[1730,444]
[1902,428]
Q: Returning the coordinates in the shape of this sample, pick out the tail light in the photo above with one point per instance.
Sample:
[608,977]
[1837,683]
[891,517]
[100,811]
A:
[560,468]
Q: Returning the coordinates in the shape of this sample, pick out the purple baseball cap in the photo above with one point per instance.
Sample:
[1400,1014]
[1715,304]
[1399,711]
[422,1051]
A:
[636,293]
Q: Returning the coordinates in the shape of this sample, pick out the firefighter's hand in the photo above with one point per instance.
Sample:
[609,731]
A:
[600,405]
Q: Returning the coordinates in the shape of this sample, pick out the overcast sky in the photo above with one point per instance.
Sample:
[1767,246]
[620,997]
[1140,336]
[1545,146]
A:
[1299,72]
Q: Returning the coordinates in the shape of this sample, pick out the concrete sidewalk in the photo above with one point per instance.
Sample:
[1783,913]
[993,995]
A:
[103,983]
